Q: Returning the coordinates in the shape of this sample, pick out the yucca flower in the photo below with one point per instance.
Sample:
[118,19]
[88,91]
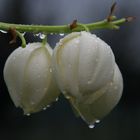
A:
[86,73]
[28,76]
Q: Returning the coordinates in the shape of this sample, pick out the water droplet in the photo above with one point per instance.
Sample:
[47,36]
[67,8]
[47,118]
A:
[97,121]
[91,126]
[67,97]
[61,34]
[42,36]
[50,69]
[3,31]
[28,114]
[48,106]
[44,108]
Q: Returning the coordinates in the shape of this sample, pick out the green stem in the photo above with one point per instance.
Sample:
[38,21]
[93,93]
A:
[104,24]
[22,39]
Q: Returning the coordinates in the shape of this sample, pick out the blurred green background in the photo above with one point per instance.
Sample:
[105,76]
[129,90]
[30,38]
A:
[58,121]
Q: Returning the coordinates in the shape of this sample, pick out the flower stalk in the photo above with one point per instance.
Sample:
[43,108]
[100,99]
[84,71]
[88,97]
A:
[104,24]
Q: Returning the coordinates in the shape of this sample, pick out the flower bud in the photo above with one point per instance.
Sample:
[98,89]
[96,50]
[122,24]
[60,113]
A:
[28,76]
[86,73]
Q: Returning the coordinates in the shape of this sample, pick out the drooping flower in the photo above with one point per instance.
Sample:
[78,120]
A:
[28,76]
[86,73]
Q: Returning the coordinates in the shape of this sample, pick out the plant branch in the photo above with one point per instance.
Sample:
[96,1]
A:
[104,24]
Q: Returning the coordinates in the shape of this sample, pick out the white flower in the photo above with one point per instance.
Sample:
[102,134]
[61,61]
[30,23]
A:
[86,73]
[28,76]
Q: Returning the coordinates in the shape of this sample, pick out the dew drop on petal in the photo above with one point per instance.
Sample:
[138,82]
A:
[3,31]
[67,97]
[48,106]
[97,121]
[44,108]
[42,36]
[91,126]
[61,34]
[28,114]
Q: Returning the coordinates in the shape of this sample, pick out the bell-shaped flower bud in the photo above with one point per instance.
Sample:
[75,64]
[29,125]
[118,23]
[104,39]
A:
[28,76]
[86,73]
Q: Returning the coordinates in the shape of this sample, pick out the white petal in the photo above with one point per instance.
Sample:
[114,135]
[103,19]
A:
[87,75]
[28,77]
[96,106]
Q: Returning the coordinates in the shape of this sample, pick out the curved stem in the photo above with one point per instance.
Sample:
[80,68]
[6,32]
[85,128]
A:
[22,39]
[104,24]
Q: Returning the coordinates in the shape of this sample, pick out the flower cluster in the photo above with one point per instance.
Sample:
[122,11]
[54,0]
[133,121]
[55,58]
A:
[82,67]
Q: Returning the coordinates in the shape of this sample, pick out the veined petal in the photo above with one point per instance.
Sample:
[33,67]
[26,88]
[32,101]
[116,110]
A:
[86,72]
[29,79]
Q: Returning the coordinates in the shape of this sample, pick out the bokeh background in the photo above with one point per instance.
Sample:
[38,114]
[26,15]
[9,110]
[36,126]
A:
[58,121]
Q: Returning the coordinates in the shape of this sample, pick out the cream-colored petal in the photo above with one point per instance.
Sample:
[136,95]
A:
[99,104]
[86,73]
[14,71]
[29,79]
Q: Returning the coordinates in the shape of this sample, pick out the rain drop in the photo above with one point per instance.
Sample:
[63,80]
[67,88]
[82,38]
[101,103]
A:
[61,34]
[97,121]
[3,31]
[28,114]
[48,106]
[42,36]
[44,108]
[91,126]
[67,97]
